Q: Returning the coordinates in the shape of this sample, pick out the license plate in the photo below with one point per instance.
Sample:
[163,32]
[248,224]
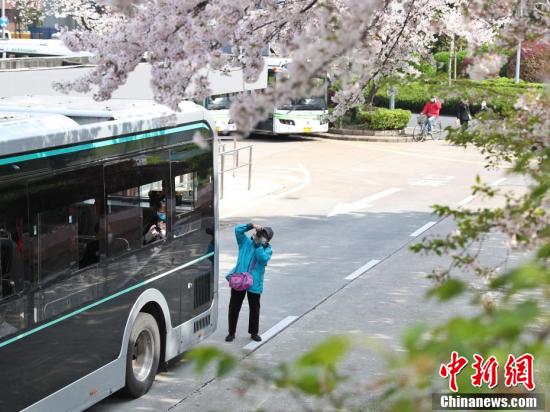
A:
[307,129]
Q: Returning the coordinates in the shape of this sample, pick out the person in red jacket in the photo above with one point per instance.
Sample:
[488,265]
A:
[431,110]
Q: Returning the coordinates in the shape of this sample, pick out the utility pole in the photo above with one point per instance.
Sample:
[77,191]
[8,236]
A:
[455,64]
[518,53]
[450,62]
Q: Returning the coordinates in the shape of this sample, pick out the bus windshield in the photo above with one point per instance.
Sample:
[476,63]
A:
[306,103]
[218,102]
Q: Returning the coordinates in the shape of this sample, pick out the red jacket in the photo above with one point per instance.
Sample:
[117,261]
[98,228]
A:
[432,109]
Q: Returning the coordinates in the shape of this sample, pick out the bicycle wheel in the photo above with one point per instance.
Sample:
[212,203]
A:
[418,133]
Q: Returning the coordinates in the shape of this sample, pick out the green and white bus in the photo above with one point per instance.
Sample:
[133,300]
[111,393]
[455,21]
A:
[219,109]
[108,246]
[298,116]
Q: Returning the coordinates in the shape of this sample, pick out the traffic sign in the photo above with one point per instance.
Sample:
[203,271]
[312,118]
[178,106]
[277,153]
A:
[4,22]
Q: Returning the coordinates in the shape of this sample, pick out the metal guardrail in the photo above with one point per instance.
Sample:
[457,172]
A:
[236,165]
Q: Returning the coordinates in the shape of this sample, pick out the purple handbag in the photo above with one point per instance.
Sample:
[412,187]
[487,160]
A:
[242,280]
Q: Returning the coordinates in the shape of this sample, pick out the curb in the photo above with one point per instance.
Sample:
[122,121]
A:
[364,138]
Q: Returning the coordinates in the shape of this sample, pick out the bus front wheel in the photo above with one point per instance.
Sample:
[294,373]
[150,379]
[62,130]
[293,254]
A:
[143,355]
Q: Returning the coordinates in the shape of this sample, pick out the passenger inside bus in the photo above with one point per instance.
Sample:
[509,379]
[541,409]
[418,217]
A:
[154,218]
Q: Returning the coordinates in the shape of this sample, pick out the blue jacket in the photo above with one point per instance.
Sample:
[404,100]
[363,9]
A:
[248,250]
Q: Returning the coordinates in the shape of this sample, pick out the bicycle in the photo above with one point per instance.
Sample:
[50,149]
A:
[420,131]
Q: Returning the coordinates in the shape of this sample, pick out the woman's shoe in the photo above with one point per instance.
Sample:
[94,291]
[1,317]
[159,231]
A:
[257,338]
[229,338]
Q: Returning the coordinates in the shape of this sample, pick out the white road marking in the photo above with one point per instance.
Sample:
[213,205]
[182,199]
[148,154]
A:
[271,332]
[498,182]
[472,197]
[422,229]
[279,176]
[431,180]
[466,200]
[305,182]
[362,269]
[344,208]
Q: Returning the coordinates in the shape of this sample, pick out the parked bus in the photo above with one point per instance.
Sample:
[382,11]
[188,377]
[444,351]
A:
[298,116]
[219,109]
[108,246]
[38,48]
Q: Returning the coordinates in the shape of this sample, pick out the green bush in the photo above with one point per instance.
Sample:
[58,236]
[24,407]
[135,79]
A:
[500,94]
[442,59]
[383,119]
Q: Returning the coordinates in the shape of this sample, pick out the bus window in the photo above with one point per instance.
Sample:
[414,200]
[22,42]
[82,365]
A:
[13,240]
[66,212]
[154,177]
[185,194]
[57,234]
[123,212]
[184,164]
[89,235]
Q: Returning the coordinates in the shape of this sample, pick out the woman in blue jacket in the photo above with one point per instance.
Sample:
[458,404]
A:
[254,253]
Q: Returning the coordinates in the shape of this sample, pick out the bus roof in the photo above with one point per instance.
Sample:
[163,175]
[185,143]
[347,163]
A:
[38,47]
[30,123]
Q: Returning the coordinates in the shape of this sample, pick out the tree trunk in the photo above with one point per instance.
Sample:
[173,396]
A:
[372,93]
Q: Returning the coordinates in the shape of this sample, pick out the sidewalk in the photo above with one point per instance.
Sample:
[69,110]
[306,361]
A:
[236,193]
[365,138]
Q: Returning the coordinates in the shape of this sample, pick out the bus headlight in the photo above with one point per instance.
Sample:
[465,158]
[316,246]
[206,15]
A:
[287,122]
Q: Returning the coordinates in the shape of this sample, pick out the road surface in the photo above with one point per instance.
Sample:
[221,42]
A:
[344,214]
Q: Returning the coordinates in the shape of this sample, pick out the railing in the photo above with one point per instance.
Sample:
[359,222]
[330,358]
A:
[236,165]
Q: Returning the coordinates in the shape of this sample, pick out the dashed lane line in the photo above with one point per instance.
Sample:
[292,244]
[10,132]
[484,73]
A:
[363,269]
[422,229]
[468,199]
[271,332]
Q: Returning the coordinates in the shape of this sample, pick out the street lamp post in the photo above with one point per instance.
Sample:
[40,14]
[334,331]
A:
[392,93]
[518,52]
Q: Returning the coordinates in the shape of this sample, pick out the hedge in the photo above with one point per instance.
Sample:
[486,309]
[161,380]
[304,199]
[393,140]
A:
[383,119]
[500,94]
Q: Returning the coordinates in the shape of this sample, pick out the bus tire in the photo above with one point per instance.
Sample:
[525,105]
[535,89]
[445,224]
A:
[142,358]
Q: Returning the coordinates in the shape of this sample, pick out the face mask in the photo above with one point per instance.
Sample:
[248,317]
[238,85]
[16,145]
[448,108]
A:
[433,100]
[263,240]
[162,216]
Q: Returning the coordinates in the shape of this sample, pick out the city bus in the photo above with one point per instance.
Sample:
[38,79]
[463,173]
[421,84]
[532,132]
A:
[38,48]
[218,106]
[304,115]
[108,246]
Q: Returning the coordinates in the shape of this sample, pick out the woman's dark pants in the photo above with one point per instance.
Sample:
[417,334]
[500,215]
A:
[235,305]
